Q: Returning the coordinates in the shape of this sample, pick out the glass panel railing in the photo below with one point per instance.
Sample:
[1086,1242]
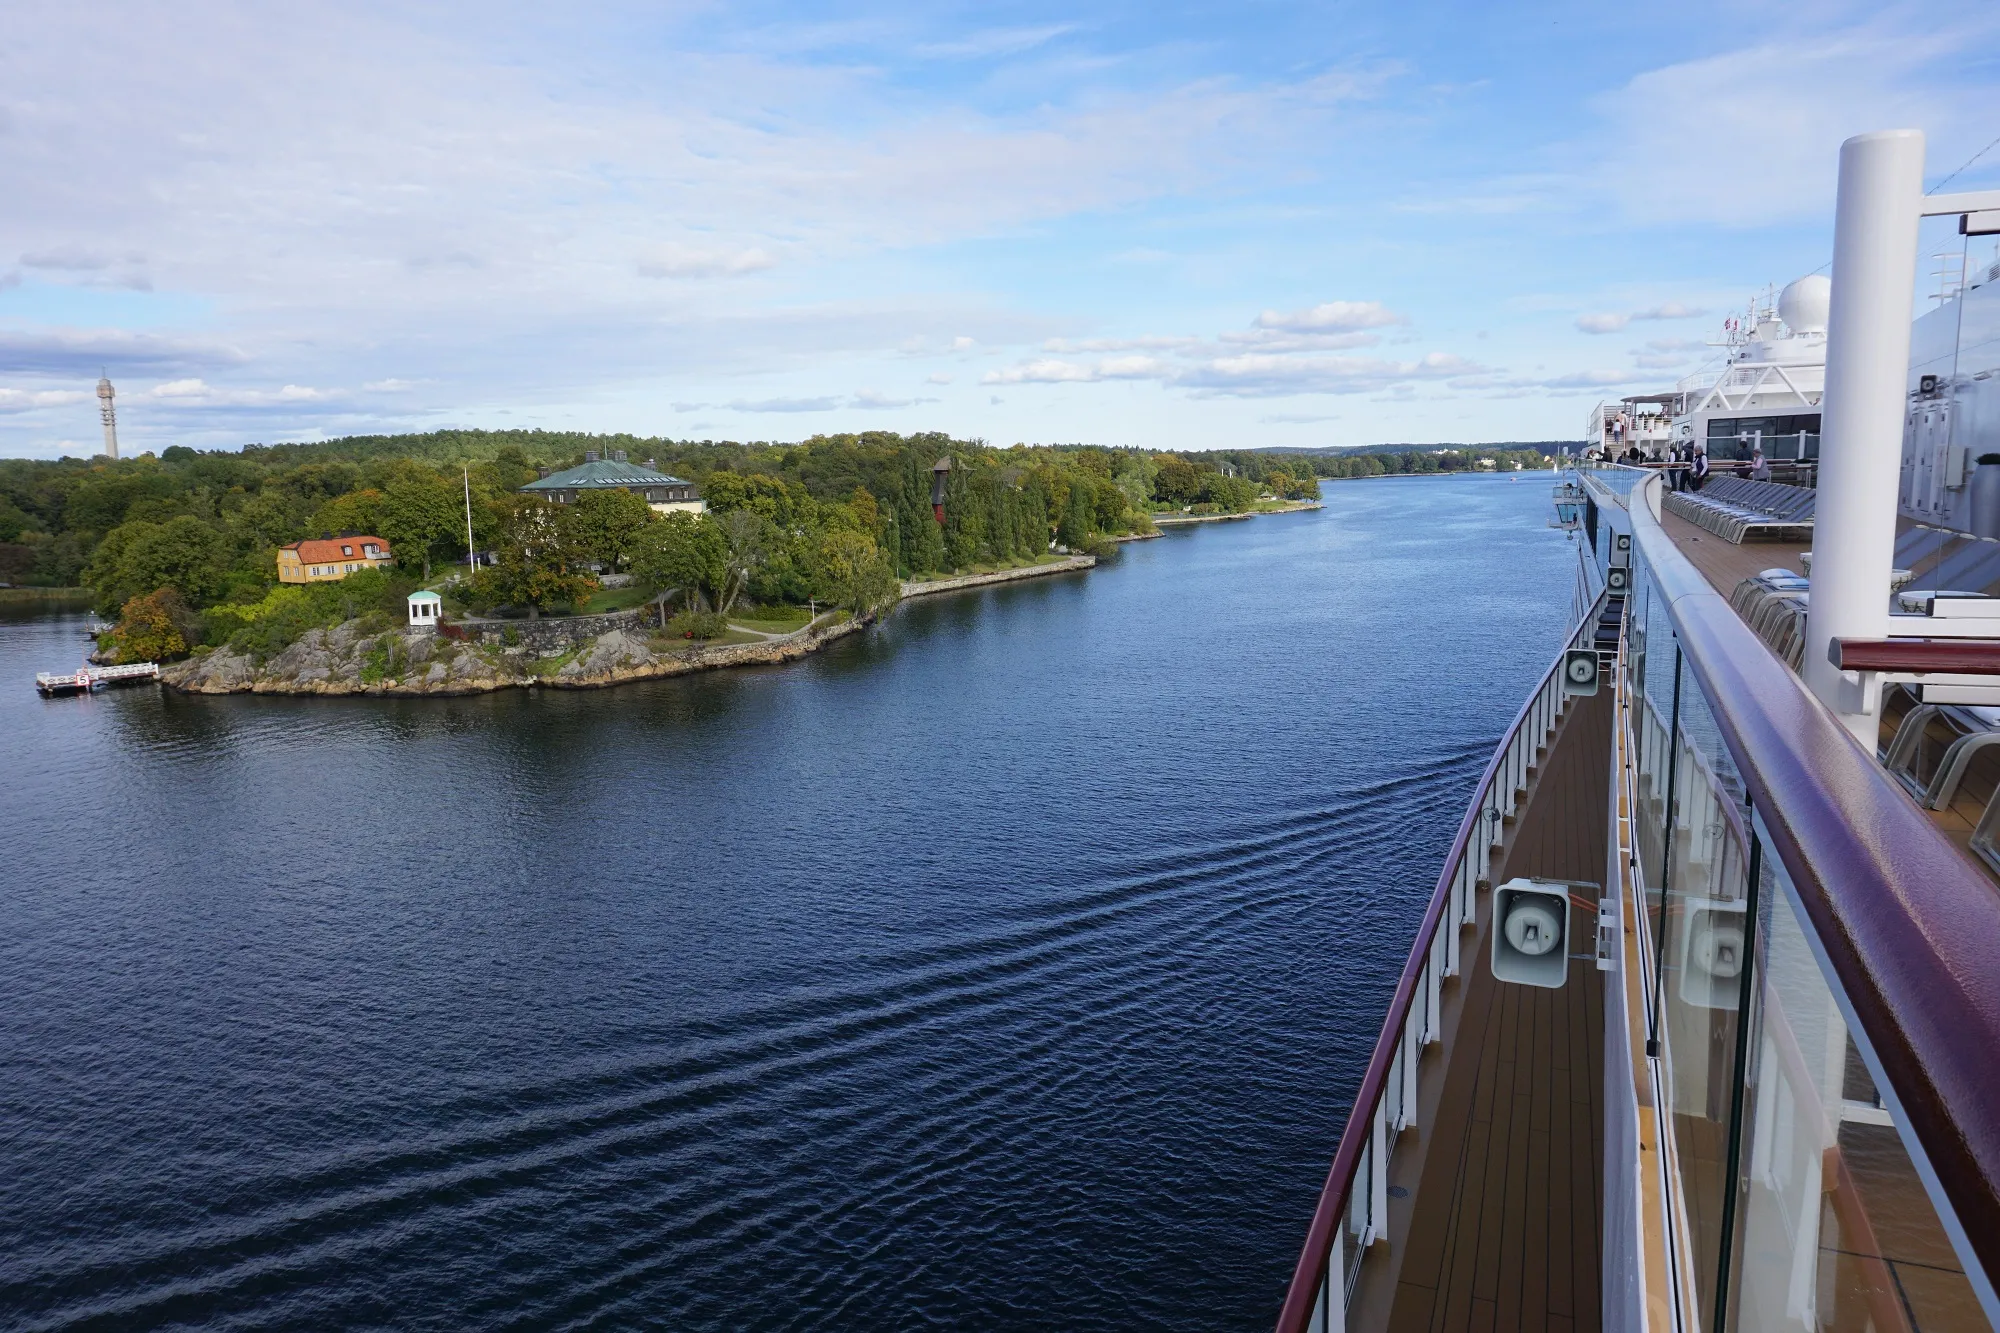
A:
[1797,1195]
[1837,1229]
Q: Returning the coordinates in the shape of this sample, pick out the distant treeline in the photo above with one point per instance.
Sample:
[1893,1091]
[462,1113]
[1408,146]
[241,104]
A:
[207,524]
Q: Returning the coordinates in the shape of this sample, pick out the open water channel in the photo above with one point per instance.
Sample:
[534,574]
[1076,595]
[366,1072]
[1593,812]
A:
[1007,966]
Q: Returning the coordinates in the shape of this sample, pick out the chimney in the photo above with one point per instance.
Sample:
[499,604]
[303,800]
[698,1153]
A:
[620,457]
[590,455]
[544,472]
[652,462]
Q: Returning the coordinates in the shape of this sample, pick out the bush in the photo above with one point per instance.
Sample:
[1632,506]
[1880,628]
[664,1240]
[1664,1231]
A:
[699,625]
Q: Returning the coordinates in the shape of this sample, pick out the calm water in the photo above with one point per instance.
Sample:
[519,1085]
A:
[1007,967]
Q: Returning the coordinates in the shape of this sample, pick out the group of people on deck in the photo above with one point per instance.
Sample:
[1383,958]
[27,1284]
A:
[1686,464]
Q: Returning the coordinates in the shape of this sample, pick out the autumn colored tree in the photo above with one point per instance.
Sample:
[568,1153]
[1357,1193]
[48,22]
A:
[154,628]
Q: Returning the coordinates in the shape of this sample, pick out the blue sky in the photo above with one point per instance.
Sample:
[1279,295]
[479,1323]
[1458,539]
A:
[1227,226]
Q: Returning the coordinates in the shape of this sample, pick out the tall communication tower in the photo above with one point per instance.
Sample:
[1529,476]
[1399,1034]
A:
[105,393]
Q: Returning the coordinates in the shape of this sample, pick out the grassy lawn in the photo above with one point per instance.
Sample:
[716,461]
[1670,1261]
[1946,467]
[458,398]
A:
[991,568]
[614,599]
[773,620]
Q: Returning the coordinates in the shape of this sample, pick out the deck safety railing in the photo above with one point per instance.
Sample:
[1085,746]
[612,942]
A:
[1820,1009]
[1353,1210]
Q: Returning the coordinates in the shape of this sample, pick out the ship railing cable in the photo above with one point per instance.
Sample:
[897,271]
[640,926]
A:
[1353,1209]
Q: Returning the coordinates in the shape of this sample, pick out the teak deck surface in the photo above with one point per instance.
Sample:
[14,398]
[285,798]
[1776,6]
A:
[1504,1220]
[1726,565]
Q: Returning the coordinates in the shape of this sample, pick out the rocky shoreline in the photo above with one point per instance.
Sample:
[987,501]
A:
[420,664]
[347,660]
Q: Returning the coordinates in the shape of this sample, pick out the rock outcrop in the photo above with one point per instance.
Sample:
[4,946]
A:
[346,660]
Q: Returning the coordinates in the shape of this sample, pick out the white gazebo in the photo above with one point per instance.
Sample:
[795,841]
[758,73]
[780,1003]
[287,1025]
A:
[424,608]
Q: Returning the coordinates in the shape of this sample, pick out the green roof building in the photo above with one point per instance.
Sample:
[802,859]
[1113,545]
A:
[662,492]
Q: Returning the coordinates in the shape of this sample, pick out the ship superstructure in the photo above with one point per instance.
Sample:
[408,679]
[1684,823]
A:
[1701,1027]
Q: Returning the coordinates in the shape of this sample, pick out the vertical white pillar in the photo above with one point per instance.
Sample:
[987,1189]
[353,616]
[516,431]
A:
[1861,439]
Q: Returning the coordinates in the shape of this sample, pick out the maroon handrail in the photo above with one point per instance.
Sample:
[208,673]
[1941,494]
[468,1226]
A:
[1964,657]
[1905,920]
[1304,1290]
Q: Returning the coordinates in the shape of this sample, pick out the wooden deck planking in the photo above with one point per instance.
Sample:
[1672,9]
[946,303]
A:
[1502,1228]
[1726,565]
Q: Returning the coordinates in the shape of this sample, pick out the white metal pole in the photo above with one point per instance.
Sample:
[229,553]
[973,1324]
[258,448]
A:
[1861,440]
[471,560]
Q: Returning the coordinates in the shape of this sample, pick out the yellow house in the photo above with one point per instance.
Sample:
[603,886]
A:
[330,558]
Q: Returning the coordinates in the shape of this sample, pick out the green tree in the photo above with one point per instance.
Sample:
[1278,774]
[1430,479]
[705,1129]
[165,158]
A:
[683,553]
[1177,481]
[608,524]
[139,557]
[538,556]
[855,573]
[1079,520]
[356,511]
[419,514]
[748,538]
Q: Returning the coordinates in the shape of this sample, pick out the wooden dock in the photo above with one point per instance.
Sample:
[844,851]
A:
[90,679]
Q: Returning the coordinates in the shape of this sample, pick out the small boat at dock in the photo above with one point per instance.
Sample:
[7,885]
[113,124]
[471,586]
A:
[88,679]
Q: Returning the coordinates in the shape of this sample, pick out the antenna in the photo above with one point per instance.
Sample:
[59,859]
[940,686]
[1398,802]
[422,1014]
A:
[105,410]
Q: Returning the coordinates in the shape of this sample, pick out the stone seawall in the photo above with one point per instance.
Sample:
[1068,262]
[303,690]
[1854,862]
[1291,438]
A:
[555,632]
[929,586]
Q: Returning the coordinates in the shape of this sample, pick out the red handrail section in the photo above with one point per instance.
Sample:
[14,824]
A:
[1310,1272]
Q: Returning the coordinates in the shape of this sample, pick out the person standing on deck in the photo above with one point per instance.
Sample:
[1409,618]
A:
[1760,467]
[1698,473]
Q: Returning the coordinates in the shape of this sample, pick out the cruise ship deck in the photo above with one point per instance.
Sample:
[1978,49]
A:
[1502,1222]
[1738,1104]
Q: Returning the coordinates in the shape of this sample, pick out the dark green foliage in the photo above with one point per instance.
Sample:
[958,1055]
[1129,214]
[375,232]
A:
[699,625]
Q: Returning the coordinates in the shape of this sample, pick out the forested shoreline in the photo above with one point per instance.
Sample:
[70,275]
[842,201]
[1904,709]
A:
[181,546]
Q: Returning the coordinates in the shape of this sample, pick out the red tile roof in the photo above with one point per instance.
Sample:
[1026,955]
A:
[326,551]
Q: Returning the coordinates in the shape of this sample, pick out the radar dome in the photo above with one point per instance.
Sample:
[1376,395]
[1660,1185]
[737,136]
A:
[1803,304]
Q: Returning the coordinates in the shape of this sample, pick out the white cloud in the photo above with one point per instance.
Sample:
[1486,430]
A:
[870,398]
[1681,121]
[783,405]
[200,392]
[27,400]
[679,261]
[1272,340]
[84,351]
[76,259]
[1051,371]
[1332,317]
[1615,322]
[1071,346]
[995,42]
[390,386]
[1262,374]
[938,377]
